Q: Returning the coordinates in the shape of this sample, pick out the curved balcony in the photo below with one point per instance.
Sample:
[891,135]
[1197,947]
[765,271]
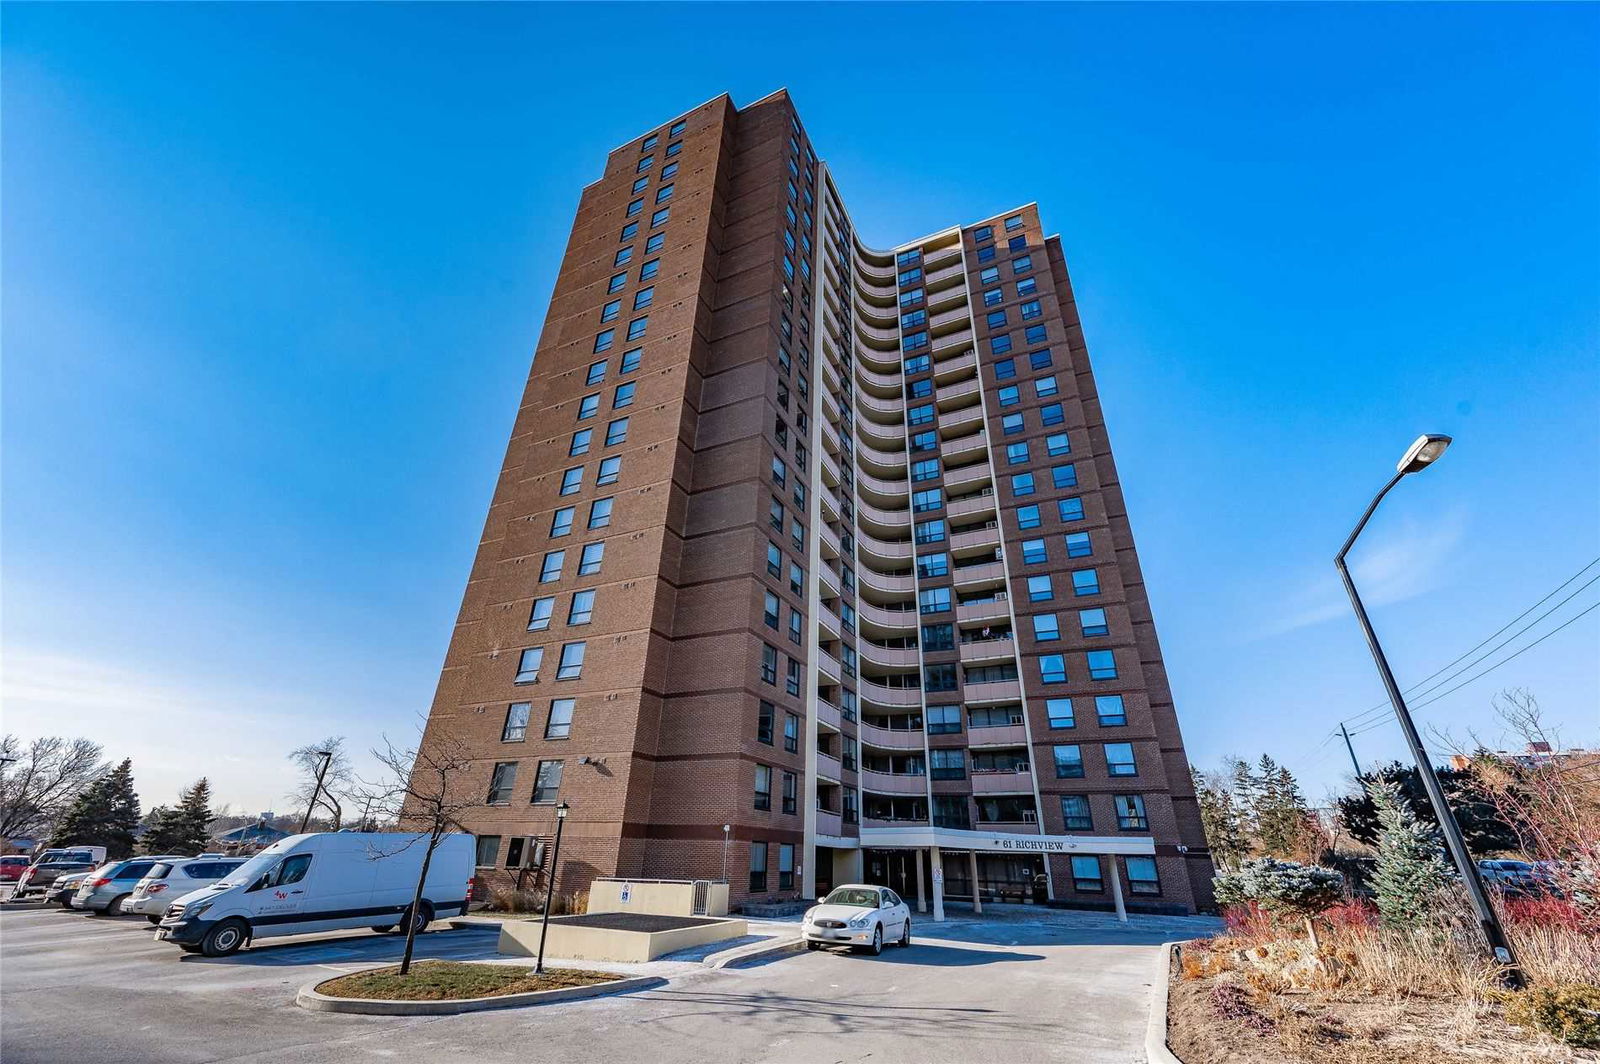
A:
[877,335]
[885,584]
[889,408]
[897,489]
[1002,782]
[893,783]
[892,697]
[889,461]
[881,436]
[883,316]
[888,657]
[889,620]
[883,361]
[991,693]
[874,271]
[890,738]
[890,519]
[885,382]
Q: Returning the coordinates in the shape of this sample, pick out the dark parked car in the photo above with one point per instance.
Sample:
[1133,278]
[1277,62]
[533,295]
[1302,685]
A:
[53,863]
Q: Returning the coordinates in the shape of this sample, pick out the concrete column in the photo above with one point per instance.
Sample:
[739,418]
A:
[938,885]
[977,900]
[922,904]
[1116,890]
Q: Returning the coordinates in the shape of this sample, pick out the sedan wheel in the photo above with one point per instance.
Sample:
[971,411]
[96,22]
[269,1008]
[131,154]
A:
[905,934]
[877,940]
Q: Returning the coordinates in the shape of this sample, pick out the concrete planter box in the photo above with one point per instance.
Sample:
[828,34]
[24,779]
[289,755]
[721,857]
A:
[623,938]
[309,998]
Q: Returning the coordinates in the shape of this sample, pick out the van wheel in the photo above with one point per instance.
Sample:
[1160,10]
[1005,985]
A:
[115,908]
[420,919]
[225,938]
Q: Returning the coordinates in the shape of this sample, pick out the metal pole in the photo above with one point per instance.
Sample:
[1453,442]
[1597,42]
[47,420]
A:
[327,759]
[1350,747]
[1488,921]
[725,829]
[549,893]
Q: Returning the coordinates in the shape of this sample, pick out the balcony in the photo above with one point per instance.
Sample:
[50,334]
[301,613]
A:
[829,823]
[952,344]
[964,446]
[1005,735]
[973,507]
[1010,827]
[893,783]
[828,767]
[873,822]
[974,575]
[828,665]
[945,274]
[954,316]
[905,620]
[954,394]
[828,715]
[967,476]
[830,470]
[933,261]
[982,650]
[990,693]
[894,551]
[828,578]
[865,511]
[886,585]
[977,539]
[891,697]
[960,422]
[889,409]
[888,657]
[890,738]
[828,621]
[832,548]
[978,612]
[883,437]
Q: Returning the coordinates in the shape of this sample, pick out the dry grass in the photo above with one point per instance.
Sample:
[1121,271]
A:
[455,981]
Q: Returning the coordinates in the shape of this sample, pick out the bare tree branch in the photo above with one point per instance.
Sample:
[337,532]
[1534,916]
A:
[44,779]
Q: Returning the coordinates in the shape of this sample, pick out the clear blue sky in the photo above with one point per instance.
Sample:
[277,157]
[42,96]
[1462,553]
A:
[273,275]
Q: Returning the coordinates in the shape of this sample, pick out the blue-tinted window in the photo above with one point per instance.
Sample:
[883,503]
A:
[1110,710]
[604,339]
[1045,387]
[1119,760]
[1036,334]
[1028,517]
[1022,265]
[631,360]
[1022,484]
[1005,369]
[1064,476]
[1102,665]
[999,345]
[1046,626]
[1085,582]
[1093,622]
[995,319]
[1011,424]
[1051,414]
[1057,444]
[1053,668]
[1040,588]
[1040,359]
[1070,509]
[1010,395]
[993,297]
[1069,762]
[1078,545]
[1033,552]
[1060,712]
[1016,453]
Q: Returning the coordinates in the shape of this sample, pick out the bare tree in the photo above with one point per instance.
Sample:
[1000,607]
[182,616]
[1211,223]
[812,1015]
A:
[426,790]
[39,781]
[338,783]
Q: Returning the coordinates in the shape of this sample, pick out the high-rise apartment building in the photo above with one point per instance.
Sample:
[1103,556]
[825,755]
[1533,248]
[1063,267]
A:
[808,562]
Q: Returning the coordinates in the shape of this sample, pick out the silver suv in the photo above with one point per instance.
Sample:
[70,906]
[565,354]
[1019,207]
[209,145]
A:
[106,888]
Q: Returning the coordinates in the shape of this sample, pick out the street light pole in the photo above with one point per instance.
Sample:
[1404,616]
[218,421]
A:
[327,759]
[550,886]
[1418,457]
[726,828]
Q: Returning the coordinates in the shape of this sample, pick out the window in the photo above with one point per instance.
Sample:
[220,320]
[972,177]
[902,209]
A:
[588,407]
[1119,760]
[1040,588]
[502,782]
[797,584]
[926,500]
[993,297]
[551,569]
[929,565]
[796,625]
[1022,264]
[610,470]
[982,233]
[999,345]
[926,469]
[1022,484]
[1085,582]
[623,396]
[786,866]
[611,310]
[1016,454]
[1014,222]
[649,270]
[561,522]
[1046,626]
[1028,517]
[1102,665]
[1093,622]
[1057,445]
[677,128]
[929,532]
[1142,877]
[774,559]
[1064,476]
[654,243]
[516,726]
[644,297]
[769,664]
[920,415]
[664,193]
[1039,359]
[990,275]
[1036,334]
[597,373]
[1130,813]
[758,860]
[1005,369]
[1070,509]
[1043,387]
[1030,309]
[763,790]
[1078,545]
[624,255]
[1053,668]
[640,185]
[558,725]
[790,804]
[571,666]
[1051,414]
[771,609]
[938,677]
[1010,395]
[631,360]
[780,471]
[986,254]
[938,637]
[589,562]
[528,665]
[1027,287]
[644,164]
[580,443]
[1110,710]
[582,609]
[572,481]
[947,764]
[603,340]
[1069,762]
[539,617]
[649,142]
[488,850]
[995,319]
[1060,712]
[943,720]
[1075,814]
[637,327]
[765,713]
[934,599]
[600,513]
[1086,874]
[547,784]
[617,432]
[1010,424]
[1017,243]
[659,218]
[635,207]
[1033,552]
[791,679]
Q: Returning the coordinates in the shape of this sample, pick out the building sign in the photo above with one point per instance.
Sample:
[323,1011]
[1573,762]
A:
[627,893]
[922,837]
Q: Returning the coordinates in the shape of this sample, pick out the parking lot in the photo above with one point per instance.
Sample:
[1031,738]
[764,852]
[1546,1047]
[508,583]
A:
[78,989]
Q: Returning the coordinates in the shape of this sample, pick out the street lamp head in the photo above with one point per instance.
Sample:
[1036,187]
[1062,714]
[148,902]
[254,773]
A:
[561,811]
[1423,453]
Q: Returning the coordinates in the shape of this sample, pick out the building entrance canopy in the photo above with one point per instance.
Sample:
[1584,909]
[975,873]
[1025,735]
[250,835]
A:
[923,836]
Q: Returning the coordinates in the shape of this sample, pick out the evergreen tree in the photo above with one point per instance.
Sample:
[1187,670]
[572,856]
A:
[182,828]
[1220,818]
[106,814]
[1280,810]
[1411,873]
[1485,830]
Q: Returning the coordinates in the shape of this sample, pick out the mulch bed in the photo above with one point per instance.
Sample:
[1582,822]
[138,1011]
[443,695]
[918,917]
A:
[456,981]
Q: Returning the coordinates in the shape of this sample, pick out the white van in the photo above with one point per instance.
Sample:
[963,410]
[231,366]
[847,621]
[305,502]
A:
[326,881]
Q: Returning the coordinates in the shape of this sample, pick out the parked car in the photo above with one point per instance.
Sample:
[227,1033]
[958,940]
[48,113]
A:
[58,862]
[167,881]
[108,888]
[324,881]
[1514,877]
[859,916]
[12,865]
[61,891]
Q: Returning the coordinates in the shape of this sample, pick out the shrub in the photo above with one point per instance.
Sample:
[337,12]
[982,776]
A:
[1352,914]
[1543,912]
[1412,877]
[1284,888]
[1570,1012]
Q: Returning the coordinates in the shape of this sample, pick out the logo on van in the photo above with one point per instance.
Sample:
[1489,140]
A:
[280,895]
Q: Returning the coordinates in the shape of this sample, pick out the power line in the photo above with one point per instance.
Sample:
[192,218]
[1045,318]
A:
[1361,717]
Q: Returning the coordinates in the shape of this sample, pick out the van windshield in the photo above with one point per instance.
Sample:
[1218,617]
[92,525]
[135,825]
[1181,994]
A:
[251,870]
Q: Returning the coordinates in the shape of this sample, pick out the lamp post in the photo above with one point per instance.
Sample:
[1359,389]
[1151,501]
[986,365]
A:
[327,759]
[726,828]
[1419,456]
[550,885]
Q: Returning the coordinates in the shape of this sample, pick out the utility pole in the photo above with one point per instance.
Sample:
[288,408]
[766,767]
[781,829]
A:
[1350,747]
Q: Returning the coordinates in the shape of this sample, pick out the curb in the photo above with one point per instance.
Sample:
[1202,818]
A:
[1155,1032]
[308,998]
[733,957]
